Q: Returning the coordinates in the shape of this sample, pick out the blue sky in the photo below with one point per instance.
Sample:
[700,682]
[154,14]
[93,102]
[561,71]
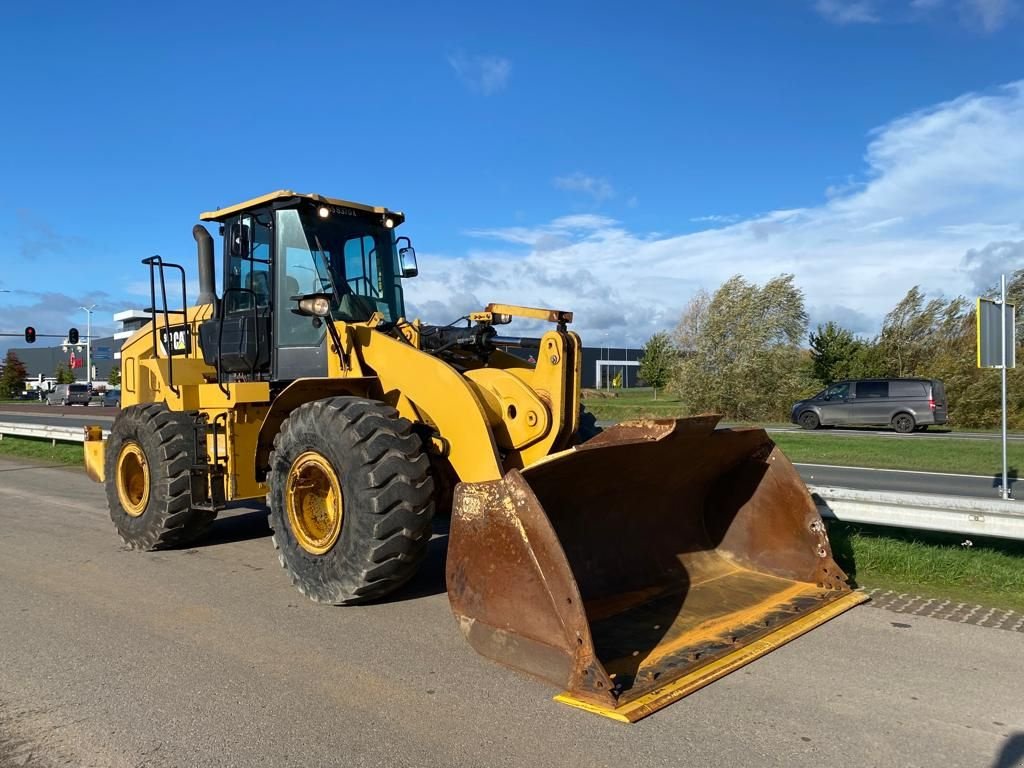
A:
[607,158]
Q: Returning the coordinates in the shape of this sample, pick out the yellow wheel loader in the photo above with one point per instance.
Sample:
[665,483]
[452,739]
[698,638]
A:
[628,567]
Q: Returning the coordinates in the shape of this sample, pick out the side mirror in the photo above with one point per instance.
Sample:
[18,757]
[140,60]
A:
[407,258]
[239,240]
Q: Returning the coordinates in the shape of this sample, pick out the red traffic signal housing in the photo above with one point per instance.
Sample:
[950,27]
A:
[30,335]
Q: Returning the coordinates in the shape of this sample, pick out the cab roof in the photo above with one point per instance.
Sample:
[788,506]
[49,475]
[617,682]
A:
[284,194]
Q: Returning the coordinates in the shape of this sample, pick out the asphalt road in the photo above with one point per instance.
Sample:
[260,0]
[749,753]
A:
[859,478]
[208,657]
[76,416]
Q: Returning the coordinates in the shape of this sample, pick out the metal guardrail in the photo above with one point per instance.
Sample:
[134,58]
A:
[923,512]
[45,432]
[917,511]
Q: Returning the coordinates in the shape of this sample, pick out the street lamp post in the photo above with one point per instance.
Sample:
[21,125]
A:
[88,344]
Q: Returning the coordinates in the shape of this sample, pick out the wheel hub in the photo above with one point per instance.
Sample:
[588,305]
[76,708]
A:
[132,479]
[314,503]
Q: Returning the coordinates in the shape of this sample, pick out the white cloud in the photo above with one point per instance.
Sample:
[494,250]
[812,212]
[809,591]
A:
[483,74]
[594,186]
[847,11]
[937,184]
[990,14]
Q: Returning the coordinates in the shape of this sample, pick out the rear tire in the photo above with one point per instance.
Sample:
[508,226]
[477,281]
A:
[351,499]
[903,423]
[148,478]
[809,420]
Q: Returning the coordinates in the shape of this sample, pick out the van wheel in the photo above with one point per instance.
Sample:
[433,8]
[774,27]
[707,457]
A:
[903,423]
[809,420]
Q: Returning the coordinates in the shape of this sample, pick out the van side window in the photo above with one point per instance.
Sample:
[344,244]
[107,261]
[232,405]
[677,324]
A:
[872,389]
[907,389]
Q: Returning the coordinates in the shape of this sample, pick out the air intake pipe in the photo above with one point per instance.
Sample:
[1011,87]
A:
[207,278]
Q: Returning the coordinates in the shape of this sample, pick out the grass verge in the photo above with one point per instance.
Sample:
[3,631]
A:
[972,457]
[990,572]
[42,451]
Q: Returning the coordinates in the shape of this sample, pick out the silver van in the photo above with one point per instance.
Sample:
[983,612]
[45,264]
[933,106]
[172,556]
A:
[907,405]
[69,394]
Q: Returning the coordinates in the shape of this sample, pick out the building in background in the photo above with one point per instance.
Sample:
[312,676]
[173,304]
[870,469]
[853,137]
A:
[602,367]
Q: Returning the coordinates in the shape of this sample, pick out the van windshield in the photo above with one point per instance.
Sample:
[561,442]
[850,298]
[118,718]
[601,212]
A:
[78,388]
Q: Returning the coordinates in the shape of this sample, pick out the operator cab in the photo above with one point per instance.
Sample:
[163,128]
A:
[285,246]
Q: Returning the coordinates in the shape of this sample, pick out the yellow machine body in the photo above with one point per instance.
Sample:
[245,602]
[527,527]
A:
[627,570]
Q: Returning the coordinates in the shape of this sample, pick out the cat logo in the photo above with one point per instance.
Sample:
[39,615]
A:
[176,340]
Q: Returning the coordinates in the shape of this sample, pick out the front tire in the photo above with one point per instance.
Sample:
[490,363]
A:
[351,499]
[148,478]
[809,420]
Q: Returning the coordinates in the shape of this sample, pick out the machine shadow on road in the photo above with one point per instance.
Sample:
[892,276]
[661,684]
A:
[1011,478]
[245,525]
[1012,753]
[429,579]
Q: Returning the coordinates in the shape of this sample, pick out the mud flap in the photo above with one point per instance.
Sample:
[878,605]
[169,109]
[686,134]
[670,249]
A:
[643,564]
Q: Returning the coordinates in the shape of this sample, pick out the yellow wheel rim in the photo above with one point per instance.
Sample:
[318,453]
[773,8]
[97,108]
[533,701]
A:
[132,479]
[313,499]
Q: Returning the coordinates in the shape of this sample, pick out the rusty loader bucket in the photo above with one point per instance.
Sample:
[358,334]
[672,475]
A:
[642,565]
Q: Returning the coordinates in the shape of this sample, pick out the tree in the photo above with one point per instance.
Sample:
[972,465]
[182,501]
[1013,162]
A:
[743,349]
[12,378]
[64,374]
[834,352]
[657,361]
[909,332]
[114,379]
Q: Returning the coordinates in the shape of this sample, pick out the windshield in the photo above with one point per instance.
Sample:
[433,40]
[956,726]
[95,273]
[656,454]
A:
[351,258]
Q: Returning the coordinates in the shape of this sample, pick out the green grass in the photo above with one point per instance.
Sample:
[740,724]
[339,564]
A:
[991,572]
[631,404]
[42,451]
[972,457]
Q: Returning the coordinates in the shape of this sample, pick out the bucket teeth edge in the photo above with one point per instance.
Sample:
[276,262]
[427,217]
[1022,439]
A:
[649,703]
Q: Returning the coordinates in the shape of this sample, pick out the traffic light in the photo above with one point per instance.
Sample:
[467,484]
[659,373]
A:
[30,335]
[73,336]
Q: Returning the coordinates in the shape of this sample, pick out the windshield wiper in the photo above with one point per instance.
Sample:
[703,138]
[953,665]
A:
[327,267]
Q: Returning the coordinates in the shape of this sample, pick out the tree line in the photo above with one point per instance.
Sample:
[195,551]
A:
[745,351]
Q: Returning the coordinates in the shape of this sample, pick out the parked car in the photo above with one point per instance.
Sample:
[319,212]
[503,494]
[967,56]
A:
[907,405]
[69,394]
[112,398]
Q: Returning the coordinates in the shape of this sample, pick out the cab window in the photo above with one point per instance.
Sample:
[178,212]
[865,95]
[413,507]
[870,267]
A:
[247,240]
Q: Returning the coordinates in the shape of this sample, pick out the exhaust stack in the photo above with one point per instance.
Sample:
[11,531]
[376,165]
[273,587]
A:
[207,278]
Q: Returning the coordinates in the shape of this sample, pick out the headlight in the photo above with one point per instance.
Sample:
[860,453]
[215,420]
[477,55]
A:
[318,306]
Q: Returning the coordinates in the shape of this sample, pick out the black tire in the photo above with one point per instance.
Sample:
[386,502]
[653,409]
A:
[903,423]
[165,440]
[387,493]
[587,427]
[809,420]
